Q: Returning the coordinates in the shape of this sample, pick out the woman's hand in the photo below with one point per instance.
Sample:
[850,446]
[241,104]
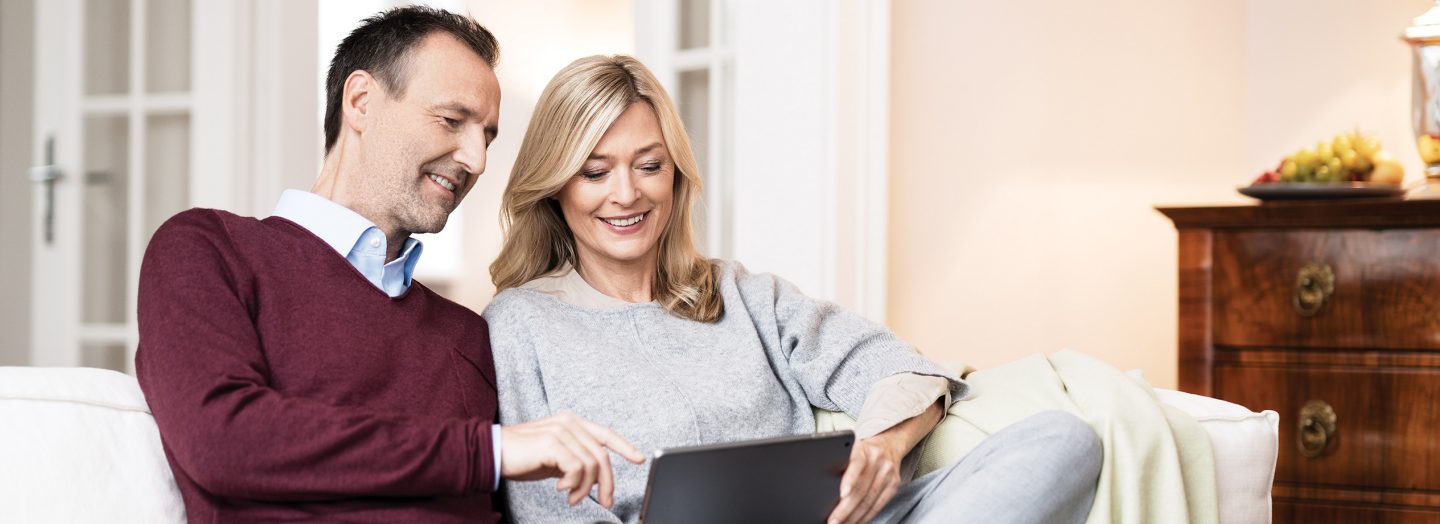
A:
[566,446]
[870,480]
[873,476]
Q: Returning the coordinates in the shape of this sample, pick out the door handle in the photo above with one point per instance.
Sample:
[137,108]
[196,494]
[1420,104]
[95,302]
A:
[48,174]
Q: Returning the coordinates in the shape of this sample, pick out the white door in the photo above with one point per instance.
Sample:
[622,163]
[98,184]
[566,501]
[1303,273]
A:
[112,133]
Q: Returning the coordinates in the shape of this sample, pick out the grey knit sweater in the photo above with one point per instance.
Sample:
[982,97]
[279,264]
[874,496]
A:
[662,381]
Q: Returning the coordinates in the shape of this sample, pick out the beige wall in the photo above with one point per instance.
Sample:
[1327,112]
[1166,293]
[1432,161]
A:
[1030,140]
[1366,70]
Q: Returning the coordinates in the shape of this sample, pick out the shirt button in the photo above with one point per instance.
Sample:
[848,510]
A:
[374,242]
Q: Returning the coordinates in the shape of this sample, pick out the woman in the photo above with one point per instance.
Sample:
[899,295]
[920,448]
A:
[607,310]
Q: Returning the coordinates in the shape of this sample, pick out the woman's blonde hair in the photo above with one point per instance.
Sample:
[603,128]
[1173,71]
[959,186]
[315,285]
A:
[574,111]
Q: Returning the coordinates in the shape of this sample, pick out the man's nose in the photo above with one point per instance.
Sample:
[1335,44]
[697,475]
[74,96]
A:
[471,152]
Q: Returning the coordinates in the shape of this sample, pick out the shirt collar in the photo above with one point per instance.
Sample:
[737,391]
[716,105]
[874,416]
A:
[337,225]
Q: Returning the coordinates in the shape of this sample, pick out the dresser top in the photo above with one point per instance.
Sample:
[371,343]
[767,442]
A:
[1388,212]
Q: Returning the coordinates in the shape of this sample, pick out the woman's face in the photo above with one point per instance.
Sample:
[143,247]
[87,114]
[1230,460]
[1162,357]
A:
[619,203]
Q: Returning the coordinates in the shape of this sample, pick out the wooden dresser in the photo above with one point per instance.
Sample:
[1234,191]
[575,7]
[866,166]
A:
[1328,313]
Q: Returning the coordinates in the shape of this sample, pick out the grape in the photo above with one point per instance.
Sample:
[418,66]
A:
[1340,144]
[1350,158]
[1367,146]
[1288,170]
[1304,173]
[1337,170]
[1346,156]
[1305,158]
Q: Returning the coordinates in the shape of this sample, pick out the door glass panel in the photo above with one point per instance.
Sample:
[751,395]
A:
[167,46]
[107,47]
[104,355]
[695,111]
[694,24]
[167,168]
[103,225]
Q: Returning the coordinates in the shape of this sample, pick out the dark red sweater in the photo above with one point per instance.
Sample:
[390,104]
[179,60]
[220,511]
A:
[287,387]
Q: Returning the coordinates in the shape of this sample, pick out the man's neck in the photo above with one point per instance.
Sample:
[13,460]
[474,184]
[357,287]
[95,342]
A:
[331,185]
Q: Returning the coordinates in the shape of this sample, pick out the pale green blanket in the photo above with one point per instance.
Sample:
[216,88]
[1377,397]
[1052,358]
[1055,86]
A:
[1159,466]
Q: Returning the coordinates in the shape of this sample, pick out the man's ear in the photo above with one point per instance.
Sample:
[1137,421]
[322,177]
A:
[360,90]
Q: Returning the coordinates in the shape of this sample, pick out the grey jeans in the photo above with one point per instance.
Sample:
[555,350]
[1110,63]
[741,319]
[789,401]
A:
[1041,469]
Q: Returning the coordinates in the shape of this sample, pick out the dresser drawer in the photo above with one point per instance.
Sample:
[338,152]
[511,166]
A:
[1386,422]
[1359,289]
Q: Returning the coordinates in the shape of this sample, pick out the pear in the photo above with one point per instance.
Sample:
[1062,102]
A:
[1387,169]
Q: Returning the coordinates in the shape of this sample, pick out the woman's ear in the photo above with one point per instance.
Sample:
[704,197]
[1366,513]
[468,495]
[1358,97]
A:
[355,101]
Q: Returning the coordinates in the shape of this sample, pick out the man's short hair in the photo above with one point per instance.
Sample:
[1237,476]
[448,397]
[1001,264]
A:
[382,46]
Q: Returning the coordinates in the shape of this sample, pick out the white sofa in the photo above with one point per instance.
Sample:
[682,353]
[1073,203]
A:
[79,445]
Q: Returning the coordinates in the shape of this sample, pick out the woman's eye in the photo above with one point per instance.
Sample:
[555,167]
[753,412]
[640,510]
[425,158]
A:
[650,168]
[592,175]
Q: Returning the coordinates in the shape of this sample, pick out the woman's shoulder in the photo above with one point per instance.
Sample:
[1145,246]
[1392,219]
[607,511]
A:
[746,282]
[512,304]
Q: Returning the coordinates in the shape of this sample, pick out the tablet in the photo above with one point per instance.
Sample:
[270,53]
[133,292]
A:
[786,479]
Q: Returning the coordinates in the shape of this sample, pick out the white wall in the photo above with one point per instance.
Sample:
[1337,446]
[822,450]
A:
[16,76]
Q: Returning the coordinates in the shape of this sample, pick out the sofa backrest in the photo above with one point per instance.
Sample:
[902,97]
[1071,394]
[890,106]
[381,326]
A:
[79,445]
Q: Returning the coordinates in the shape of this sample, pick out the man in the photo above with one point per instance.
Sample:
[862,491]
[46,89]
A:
[295,370]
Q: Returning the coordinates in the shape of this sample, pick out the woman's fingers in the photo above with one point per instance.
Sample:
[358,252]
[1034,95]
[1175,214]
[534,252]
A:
[885,496]
[852,487]
[877,471]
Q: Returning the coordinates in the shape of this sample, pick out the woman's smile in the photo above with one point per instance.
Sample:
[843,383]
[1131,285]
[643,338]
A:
[625,225]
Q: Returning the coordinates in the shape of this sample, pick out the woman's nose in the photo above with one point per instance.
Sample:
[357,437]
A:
[623,191]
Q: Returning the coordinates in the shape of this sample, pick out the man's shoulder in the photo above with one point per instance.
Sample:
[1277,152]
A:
[447,306]
[199,220]
[201,233]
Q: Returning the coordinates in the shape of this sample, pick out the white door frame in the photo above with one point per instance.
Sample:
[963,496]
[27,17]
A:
[805,119]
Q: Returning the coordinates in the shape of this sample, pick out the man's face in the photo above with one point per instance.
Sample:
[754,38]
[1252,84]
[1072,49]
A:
[421,152]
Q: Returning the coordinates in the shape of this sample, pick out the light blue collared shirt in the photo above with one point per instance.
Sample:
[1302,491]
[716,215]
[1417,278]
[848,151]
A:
[359,240]
[363,244]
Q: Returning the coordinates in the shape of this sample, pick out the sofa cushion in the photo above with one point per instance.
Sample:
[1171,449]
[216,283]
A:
[79,445]
[1245,445]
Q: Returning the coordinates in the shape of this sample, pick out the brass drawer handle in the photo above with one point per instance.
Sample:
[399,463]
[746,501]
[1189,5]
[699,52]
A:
[1317,427]
[1314,284]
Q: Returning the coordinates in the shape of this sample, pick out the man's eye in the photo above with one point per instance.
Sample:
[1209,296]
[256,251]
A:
[451,122]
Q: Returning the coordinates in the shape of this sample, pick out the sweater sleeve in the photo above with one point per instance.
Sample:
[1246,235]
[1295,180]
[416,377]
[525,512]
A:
[834,354]
[204,375]
[523,399]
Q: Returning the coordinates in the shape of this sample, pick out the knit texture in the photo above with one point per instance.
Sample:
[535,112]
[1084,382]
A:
[288,388]
[662,381]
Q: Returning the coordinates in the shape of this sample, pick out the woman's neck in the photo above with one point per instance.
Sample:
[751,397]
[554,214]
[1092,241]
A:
[629,282]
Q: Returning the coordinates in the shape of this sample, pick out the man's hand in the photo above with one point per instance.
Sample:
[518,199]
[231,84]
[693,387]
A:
[566,446]
[870,480]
